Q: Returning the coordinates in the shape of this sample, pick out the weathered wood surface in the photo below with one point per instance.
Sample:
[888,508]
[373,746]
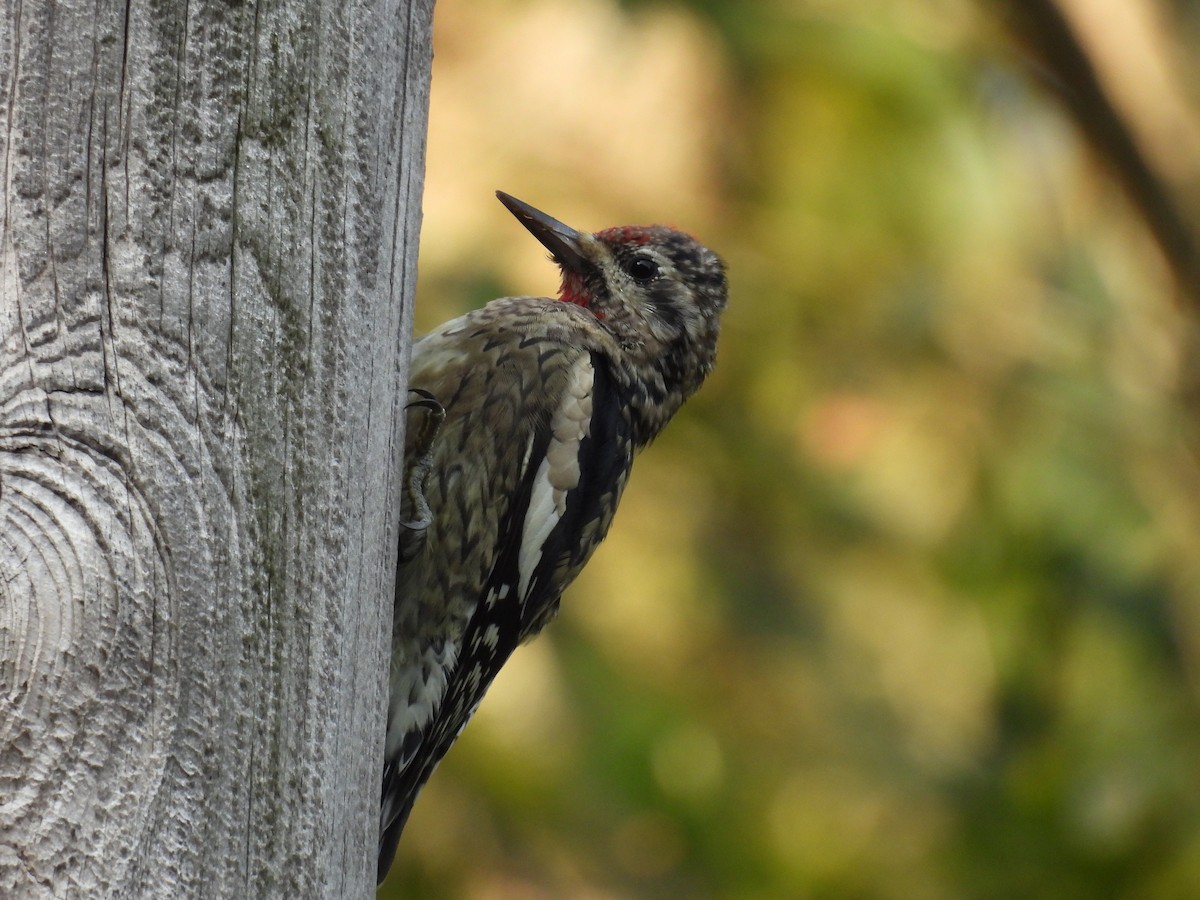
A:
[208,221]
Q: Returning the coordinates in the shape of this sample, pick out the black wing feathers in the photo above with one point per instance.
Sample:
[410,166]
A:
[502,619]
[478,660]
[605,457]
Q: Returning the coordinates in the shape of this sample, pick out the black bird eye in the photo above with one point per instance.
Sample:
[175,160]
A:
[642,268]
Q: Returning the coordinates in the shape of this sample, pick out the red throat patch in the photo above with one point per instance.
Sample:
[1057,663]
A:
[572,290]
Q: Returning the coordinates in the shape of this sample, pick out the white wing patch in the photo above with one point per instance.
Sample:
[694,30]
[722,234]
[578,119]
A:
[558,472]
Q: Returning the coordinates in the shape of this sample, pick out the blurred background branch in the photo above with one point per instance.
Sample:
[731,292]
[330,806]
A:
[1149,135]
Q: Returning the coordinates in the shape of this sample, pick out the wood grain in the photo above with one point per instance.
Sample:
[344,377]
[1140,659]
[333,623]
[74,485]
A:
[208,242]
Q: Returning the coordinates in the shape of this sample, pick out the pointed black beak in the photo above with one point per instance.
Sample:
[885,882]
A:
[561,240]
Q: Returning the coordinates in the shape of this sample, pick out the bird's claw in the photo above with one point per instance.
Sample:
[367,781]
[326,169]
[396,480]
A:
[427,401]
[421,452]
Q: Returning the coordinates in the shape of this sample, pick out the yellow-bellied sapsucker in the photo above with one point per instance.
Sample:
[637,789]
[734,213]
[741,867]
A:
[532,410]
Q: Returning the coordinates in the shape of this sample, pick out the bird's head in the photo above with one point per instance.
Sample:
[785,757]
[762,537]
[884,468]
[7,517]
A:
[657,290]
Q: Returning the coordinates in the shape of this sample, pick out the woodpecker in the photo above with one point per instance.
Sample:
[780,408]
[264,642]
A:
[530,412]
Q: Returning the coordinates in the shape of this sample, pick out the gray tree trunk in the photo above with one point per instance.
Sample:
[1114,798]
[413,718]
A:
[208,224]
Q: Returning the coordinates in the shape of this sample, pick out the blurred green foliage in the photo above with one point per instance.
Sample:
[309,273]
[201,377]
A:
[903,605]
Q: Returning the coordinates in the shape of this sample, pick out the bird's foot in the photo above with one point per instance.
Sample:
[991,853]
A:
[421,453]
